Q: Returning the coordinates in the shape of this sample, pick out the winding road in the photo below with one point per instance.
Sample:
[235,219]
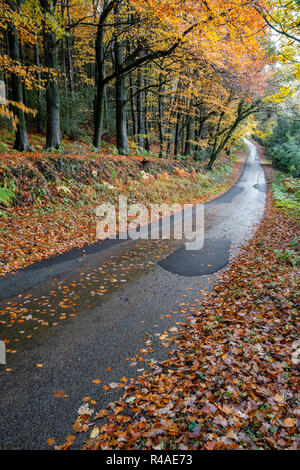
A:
[90,314]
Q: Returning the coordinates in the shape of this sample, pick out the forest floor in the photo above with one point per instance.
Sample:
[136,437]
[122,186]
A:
[48,200]
[232,381]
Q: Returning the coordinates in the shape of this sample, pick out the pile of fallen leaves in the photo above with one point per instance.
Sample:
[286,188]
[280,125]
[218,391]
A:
[232,382]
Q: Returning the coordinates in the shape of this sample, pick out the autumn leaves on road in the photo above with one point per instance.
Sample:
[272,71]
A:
[232,382]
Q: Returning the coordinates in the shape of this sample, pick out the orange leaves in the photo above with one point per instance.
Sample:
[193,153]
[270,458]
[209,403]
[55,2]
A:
[181,173]
[60,394]
[69,441]
[101,414]
[51,441]
[289,423]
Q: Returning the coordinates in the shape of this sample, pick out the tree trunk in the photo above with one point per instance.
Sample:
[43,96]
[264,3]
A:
[100,88]
[99,100]
[160,119]
[140,116]
[21,140]
[39,120]
[52,92]
[133,111]
[187,149]
[146,124]
[120,89]
[177,136]
[69,41]
[24,89]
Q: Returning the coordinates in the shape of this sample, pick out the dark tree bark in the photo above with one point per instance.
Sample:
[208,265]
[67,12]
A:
[160,119]
[39,119]
[121,70]
[21,140]
[99,104]
[189,127]
[177,135]
[170,133]
[133,110]
[24,89]
[120,90]
[146,123]
[69,43]
[140,111]
[52,92]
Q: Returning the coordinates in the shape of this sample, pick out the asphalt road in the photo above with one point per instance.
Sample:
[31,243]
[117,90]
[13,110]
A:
[87,314]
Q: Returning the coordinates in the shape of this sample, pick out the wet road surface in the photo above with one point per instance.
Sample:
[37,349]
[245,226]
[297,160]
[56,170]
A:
[106,315]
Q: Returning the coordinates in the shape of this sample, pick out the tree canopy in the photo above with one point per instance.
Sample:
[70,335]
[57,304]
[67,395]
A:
[182,74]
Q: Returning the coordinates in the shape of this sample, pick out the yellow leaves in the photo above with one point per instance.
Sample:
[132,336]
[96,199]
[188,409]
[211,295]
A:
[40,365]
[95,432]
[281,95]
[253,396]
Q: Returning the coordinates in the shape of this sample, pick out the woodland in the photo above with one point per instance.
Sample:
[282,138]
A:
[186,76]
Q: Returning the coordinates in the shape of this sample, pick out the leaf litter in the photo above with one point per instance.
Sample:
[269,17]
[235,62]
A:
[232,382]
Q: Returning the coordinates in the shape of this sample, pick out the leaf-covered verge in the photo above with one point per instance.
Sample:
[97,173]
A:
[232,382]
[48,200]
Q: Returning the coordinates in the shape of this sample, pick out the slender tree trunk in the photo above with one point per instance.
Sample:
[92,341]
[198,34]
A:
[160,119]
[21,140]
[146,123]
[69,41]
[100,87]
[189,128]
[133,110]
[214,152]
[24,89]
[52,92]
[170,133]
[140,114]
[177,135]
[120,89]
[39,120]
[99,100]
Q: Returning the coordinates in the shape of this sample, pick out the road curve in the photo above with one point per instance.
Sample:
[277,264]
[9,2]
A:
[83,319]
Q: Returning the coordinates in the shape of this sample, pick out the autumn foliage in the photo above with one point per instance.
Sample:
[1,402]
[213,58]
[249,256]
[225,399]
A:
[172,73]
[232,381]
